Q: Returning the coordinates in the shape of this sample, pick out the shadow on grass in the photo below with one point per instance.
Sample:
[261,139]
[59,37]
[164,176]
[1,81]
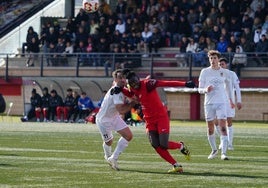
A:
[205,174]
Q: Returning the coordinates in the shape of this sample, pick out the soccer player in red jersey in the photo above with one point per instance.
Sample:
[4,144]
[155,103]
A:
[156,116]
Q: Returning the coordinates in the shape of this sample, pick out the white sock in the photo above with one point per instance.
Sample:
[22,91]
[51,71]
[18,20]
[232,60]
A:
[224,144]
[218,130]
[230,135]
[212,142]
[107,150]
[121,145]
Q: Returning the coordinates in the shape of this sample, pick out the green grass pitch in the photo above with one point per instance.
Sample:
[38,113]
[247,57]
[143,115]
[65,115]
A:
[70,155]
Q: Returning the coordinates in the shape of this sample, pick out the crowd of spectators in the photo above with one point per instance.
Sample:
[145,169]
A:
[147,25]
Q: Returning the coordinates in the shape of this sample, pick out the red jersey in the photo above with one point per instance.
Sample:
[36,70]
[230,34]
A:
[152,106]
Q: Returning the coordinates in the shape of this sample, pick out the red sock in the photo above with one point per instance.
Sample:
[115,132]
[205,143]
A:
[37,114]
[165,155]
[174,145]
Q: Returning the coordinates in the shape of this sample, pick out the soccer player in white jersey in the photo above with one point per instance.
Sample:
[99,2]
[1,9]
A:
[231,111]
[214,82]
[109,119]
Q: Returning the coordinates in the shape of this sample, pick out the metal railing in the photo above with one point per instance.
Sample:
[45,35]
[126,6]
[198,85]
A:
[112,61]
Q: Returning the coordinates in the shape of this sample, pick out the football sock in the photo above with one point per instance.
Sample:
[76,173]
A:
[165,155]
[107,150]
[212,142]
[37,114]
[218,130]
[174,145]
[230,135]
[121,145]
[224,143]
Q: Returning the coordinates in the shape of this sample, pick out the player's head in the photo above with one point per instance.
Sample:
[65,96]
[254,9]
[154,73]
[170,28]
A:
[213,56]
[119,78]
[132,79]
[223,63]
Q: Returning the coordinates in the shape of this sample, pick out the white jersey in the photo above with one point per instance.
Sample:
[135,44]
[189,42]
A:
[235,87]
[107,110]
[220,81]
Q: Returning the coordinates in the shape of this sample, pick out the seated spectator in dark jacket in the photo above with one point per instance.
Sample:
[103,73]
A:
[35,106]
[45,104]
[55,102]
[155,42]
[75,109]
[67,107]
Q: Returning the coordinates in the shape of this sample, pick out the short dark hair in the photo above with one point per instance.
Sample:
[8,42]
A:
[223,59]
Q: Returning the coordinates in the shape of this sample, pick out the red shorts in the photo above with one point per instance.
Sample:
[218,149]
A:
[161,125]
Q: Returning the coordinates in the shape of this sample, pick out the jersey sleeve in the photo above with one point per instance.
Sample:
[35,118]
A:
[151,84]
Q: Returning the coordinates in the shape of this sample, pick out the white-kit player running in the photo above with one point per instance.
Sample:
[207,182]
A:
[236,92]
[109,119]
[213,82]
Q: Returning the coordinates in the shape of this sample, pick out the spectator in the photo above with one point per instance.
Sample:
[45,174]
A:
[69,49]
[257,35]
[30,34]
[75,109]
[233,43]
[221,46]
[184,27]
[81,35]
[52,55]
[67,107]
[60,49]
[35,106]
[262,49]
[146,37]
[45,104]
[199,57]
[212,30]
[210,45]
[81,16]
[192,17]
[235,28]
[120,26]
[155,42]
[239,60]
[33,49]
[247,22]
[54,103]
[172,30]
[85,106]
[121,9]
[82,56]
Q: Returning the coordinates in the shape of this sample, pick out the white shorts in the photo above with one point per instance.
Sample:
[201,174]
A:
[230,111]
[215,110]
[106,128]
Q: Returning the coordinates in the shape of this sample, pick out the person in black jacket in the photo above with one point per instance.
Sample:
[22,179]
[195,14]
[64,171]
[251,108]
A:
[35,106]
[75,109]
[67,107]
[33,50]
[155,42]
[30,34]
[45,104]
[54,103]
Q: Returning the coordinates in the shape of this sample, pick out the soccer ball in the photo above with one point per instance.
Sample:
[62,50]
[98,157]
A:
[91,6]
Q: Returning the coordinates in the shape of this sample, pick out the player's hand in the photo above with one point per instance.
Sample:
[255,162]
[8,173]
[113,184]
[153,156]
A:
[190,84]
[239,105]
